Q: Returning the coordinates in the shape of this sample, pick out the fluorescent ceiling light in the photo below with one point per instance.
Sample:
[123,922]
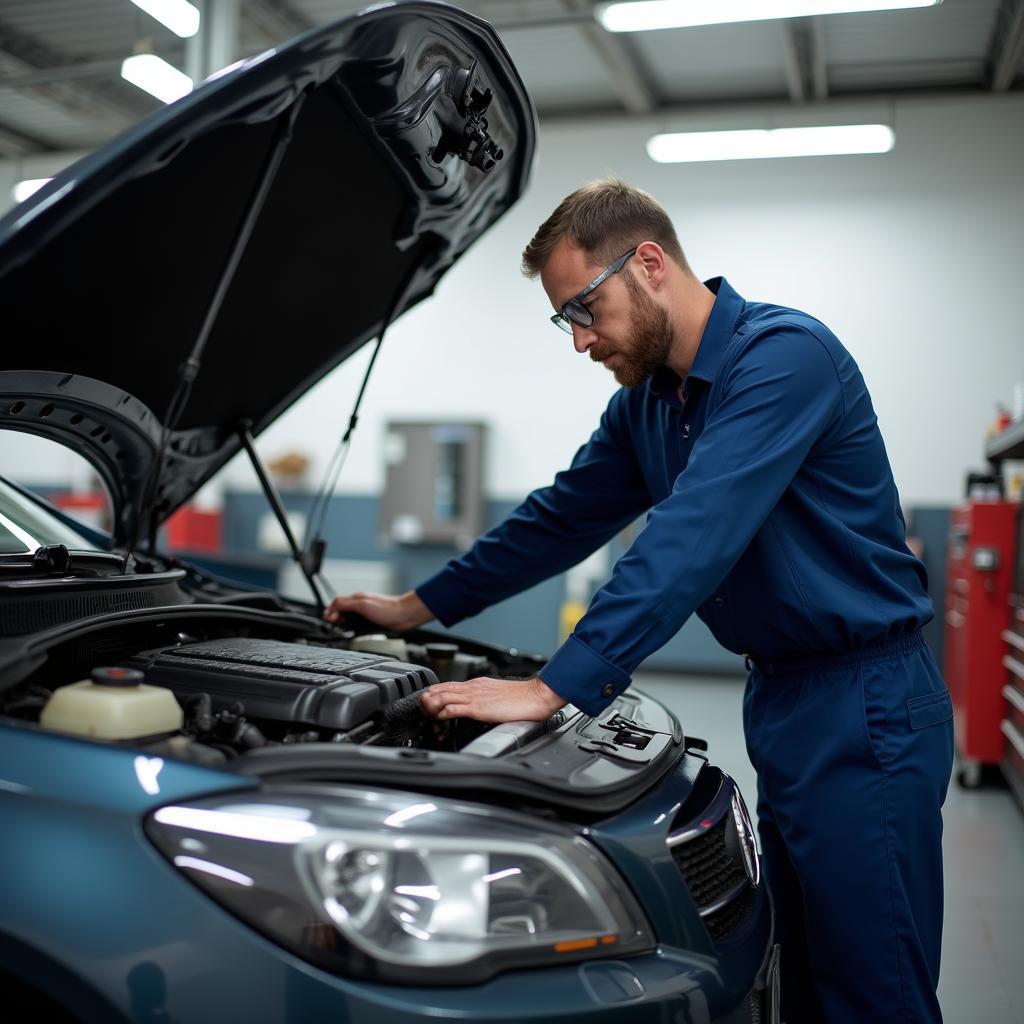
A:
[156,76]
[769,143]
[178,15]
[25,188]
[653,14]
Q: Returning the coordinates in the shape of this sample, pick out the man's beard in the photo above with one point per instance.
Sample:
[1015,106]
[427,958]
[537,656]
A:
[650,339]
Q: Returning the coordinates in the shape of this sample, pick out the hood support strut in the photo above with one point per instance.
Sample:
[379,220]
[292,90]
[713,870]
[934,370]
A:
[245,435]
[189,370]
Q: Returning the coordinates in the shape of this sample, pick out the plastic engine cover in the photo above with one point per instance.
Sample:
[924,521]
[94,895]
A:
[285,682]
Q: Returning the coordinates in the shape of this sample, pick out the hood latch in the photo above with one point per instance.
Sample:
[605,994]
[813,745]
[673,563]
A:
[474,143]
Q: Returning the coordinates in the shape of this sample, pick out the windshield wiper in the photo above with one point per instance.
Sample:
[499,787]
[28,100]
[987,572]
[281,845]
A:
[47,560]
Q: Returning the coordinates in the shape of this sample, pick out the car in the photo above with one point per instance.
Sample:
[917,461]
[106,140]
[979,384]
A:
[214,803]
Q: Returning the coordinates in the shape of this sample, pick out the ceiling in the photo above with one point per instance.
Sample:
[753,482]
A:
[60,86]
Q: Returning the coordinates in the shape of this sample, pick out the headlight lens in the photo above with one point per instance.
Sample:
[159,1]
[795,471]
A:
[389,887]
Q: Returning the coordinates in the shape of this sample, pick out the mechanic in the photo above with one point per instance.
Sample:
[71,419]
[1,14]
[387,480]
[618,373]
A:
[747,432]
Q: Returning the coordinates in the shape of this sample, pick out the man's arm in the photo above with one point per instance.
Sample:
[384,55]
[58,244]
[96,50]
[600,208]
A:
[555,527]
[779,398]
[399,613]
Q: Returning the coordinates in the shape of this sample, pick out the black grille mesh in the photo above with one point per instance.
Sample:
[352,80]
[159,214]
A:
[722,923]
[710,869]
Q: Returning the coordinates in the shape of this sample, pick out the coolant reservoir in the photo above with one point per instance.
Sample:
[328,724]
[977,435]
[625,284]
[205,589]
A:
[115,704]
[380,643]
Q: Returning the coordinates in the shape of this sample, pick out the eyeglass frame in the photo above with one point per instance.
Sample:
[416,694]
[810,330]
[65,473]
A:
[564,322]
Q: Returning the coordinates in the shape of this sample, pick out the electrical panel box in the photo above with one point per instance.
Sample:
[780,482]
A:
[433,485]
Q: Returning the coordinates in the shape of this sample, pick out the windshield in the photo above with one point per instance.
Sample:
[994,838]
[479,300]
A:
[25,526]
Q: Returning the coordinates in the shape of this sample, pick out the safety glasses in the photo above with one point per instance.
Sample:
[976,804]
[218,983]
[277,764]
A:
[574,311]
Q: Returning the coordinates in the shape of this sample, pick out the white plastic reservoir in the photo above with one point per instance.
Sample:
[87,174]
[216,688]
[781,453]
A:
[115,704]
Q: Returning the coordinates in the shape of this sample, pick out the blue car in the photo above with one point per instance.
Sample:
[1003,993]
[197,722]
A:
[214,804]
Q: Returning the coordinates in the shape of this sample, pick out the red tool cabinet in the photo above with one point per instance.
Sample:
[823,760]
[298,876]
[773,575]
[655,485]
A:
[980,577]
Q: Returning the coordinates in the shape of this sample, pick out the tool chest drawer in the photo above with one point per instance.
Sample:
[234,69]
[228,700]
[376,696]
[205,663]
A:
[1012,724]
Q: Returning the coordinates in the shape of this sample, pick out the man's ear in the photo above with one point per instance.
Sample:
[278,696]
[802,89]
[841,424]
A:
[653,263]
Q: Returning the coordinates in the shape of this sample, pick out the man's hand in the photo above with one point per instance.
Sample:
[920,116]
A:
[493,700]
[397,614]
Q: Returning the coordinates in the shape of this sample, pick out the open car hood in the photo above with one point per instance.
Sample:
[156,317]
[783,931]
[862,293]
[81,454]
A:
[405,131]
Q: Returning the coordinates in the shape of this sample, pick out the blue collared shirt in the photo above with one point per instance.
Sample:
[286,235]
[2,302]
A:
[773,513]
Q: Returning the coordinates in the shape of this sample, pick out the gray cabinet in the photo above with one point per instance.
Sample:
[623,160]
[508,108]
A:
[433,484]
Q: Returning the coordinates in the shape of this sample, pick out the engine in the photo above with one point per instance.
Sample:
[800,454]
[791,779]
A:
[305,687]
[238,693]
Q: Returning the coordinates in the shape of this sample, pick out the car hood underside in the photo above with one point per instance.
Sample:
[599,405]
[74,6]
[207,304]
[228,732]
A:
[250,237]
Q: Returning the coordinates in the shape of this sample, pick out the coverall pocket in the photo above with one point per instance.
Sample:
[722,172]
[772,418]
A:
[931,709]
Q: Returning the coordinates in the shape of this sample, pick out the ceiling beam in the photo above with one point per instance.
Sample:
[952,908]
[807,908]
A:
[105,103]
[795,53]
[625,69]
[215,46]
[819,64]
[566,17]
[15,142]
[619,60]
[276,20]
[803,42]
[62,73]
[1007,47]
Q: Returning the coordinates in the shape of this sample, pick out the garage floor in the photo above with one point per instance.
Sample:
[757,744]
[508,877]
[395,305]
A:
[982,977]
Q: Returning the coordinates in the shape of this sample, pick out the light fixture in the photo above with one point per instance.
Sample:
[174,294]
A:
[645,15]
[25,188]
[770,143]
[178,15]
[156,76]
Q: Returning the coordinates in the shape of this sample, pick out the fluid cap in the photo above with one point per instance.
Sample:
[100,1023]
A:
[113,676]
[442,650]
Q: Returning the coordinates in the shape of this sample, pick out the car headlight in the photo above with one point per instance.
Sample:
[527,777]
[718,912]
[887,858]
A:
[396,887]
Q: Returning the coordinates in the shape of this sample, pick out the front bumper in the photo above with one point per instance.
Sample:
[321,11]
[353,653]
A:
[92,909]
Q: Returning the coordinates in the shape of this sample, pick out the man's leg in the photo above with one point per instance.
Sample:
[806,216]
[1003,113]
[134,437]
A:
[854,766]
[799,1001]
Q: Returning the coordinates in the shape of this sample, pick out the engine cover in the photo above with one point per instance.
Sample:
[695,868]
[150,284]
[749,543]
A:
[284,682]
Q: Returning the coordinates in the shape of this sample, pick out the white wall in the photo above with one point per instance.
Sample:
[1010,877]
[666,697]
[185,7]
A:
[914,258]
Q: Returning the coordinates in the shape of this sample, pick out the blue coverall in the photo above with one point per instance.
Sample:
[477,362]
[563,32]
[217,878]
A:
[773,515]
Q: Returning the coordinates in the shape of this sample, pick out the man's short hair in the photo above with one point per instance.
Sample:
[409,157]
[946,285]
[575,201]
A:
[605,218]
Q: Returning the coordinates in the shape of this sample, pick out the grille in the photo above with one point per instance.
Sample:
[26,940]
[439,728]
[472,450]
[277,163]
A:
[710,869]
[722,923]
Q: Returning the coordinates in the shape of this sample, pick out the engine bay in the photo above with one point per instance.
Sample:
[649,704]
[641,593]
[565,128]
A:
[285,697]
[238,693]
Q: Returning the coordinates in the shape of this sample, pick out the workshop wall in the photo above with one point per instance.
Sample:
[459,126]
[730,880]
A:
[914,258]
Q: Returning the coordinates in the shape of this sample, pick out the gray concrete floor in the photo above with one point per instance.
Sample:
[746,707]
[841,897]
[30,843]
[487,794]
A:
[982,978]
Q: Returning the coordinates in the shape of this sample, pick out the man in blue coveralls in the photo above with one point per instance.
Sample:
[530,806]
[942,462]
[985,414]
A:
[746,431]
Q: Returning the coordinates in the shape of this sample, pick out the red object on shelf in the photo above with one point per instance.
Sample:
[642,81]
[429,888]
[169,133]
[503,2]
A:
[91,507]
[189,529]
[978,584]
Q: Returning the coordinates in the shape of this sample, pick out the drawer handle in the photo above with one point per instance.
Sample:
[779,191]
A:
[1013,736]
[1015,666]
[1014,698]
[1014,639]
